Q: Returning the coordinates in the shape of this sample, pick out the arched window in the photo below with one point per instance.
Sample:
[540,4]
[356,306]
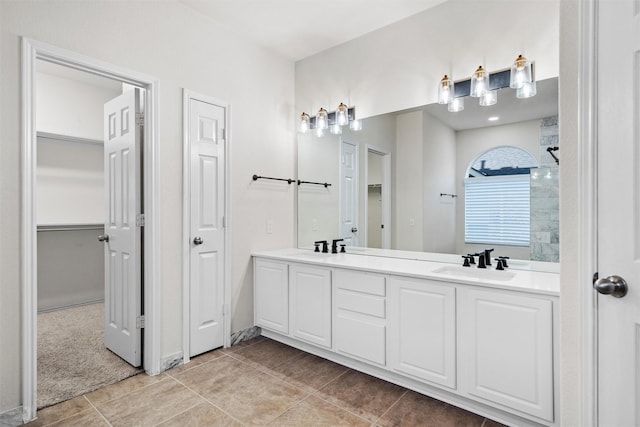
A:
[497,193]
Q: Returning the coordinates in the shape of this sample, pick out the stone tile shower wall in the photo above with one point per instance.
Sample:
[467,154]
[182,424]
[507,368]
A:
[545,202]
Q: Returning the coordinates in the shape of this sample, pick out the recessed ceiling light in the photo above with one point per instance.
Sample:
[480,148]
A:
[493,118]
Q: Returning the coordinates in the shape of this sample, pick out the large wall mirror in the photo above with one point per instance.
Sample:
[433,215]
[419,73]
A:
[413,181]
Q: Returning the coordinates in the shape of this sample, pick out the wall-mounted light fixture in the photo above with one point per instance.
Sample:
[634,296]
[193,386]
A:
[485,85]
[332,121]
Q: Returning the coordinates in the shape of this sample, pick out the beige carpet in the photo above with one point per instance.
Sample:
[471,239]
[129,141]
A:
[72,358]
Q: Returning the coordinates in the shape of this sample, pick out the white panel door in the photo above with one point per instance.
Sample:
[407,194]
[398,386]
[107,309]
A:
[310,304]
[123,251]
[423,329]
[506,350]
[271,295]
[349,193]
[618,141]
[206,285]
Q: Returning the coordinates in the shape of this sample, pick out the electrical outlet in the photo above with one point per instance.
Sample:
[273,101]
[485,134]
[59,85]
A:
[269,226]
[314,224]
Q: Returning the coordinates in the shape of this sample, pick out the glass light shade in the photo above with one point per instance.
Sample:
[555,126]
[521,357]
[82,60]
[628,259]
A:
[335,129]
[520,72]
[446,90]
[355,125]
[319,132]
[479,82]
[322,119]
[490,97]
[526,91]
[456,104]
[305,123]
[342,115]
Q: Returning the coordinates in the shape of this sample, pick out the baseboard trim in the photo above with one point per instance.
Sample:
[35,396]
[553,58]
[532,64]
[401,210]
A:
[171,361]
[245,334]
[11,418]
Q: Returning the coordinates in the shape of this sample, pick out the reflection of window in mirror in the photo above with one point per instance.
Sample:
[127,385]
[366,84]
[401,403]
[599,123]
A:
[497,192]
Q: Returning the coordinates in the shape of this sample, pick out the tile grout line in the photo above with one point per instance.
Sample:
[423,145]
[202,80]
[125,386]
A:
[392,405]
[306,394]
[319,396]
[95,408]
[128,392]
[208,401]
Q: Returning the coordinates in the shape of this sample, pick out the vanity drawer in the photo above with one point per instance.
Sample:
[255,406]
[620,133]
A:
[361,303]
[359,281]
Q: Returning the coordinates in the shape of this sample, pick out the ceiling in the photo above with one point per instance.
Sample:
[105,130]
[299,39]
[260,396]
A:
[297,29]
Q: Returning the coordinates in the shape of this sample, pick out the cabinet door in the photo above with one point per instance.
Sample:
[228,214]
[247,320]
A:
[422,335]
[271,295]
[506,350]
[310,304]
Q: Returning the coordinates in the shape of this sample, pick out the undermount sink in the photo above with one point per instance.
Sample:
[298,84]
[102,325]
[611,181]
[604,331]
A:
[475,273]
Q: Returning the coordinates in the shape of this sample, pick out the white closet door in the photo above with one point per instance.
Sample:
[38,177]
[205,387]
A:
[123,279]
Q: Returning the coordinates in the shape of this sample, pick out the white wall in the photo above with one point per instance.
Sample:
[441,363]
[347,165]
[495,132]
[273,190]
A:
[69,183]
[318,207]
[409,191]
[439,176]
[471,144]
[183,50]
[70,107]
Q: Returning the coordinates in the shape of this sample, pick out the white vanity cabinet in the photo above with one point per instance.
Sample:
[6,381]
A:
[480,340]
[360,315]
[506,350]
[422,336]
[310,304]
[271,294]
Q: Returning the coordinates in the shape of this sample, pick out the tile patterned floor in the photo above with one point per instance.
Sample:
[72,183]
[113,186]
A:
[258,382]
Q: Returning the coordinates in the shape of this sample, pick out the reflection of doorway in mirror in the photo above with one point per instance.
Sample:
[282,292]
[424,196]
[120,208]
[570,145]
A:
[349,193]
[378,203]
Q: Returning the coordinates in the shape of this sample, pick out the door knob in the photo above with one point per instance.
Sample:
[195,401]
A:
[198,241]
[615,286]
[103,238]
[354,229]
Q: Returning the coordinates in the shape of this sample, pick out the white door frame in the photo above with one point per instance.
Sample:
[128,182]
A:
[31,51]
[587,240]
[187,96]
[386,195]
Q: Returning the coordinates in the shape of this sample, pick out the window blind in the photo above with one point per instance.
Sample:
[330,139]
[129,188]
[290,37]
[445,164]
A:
[497,210]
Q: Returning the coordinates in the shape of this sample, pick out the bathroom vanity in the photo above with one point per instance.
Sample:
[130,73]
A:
[482,340]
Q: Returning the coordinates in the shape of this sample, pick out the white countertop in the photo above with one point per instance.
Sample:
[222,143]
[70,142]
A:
[547,283]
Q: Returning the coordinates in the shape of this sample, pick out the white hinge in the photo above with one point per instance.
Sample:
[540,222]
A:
[224,222]
[140,322]
[140,119]
[140,221]
[224,133]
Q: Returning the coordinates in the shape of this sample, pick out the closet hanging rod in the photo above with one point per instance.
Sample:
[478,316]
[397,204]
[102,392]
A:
[325,184]
[448,194]
[287,180]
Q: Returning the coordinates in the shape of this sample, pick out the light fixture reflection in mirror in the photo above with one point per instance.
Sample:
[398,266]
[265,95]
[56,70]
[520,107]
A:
[479,82]
[456,105]
[520,72]
[458,139]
